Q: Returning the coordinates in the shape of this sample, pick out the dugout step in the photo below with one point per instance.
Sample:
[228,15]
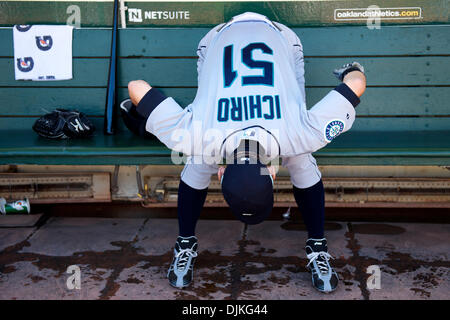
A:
[56,187]
[339,192]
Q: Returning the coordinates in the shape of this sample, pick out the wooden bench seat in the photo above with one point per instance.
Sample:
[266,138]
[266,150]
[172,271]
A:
[23,147]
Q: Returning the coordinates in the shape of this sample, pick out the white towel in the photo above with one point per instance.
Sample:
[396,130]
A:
[42,52]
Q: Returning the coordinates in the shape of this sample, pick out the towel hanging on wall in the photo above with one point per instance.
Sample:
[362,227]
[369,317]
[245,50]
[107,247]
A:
[42,52]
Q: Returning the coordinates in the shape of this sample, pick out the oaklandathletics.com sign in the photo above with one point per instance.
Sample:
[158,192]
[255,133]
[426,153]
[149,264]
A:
[378,13]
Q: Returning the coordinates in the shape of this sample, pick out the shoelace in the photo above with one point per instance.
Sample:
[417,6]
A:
[183,256]
[322,264]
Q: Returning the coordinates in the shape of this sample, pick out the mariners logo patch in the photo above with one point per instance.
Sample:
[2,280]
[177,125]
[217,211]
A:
[333,129]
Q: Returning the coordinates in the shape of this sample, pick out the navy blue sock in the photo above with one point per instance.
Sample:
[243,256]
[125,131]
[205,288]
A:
[311,202]
[190,204]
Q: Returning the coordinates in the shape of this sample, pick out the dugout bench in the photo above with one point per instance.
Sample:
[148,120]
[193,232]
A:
[403,118]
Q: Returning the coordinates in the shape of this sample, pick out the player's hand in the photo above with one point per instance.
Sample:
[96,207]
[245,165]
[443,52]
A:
[220,173]
[137,90]
[346,68]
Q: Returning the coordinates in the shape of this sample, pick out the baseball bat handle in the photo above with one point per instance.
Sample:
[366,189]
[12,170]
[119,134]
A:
[111,93]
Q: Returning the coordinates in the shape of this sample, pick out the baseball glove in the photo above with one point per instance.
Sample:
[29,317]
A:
[64,124]
[346,68]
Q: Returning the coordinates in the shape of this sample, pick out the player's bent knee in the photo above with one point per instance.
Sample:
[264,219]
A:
[356,81]
[137,90]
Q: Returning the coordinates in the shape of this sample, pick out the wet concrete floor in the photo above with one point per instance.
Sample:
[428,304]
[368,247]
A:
[123,258]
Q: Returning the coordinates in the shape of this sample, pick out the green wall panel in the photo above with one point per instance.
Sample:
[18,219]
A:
[199,13]
[331,41]
[384,101]
[181,72]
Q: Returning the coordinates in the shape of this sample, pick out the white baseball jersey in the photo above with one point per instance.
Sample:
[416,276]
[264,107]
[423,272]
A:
[250,86]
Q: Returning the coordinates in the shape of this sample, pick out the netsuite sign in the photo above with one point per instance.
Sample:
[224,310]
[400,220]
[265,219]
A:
[138,15]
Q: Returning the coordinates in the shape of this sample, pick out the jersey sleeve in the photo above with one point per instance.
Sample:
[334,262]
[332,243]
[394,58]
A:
[332,115]
[167,120]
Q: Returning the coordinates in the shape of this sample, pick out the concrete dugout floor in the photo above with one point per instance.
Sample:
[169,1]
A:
[122,258]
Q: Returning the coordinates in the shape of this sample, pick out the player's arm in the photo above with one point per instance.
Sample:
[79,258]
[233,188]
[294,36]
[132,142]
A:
[334,113]
[165,117]
[137,90]
[352,74]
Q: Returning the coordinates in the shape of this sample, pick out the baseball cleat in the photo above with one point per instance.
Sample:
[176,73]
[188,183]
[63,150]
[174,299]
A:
[182,268]
[324,278]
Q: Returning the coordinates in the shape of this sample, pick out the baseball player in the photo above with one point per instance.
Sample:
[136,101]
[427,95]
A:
[250,109]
